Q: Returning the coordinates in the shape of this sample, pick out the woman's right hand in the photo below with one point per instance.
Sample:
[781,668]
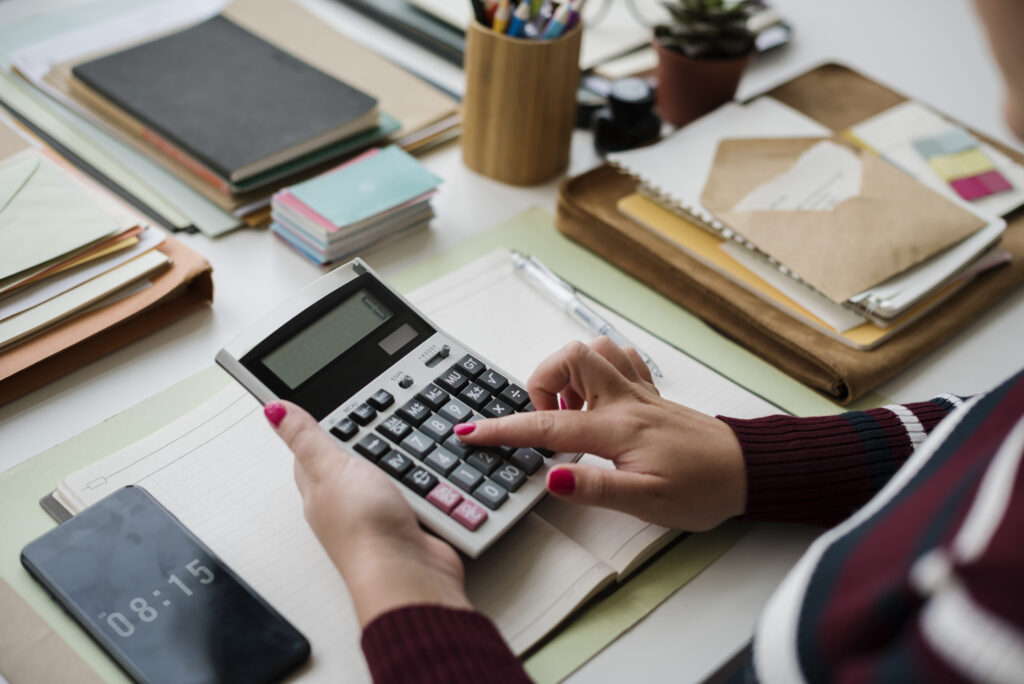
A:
[673,466]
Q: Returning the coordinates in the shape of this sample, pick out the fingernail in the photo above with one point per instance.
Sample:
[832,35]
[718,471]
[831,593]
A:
[464,428]
[561,481]
[561,402]
[274,412]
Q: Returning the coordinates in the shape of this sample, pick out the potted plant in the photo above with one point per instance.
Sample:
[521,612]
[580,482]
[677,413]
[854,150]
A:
[702,53]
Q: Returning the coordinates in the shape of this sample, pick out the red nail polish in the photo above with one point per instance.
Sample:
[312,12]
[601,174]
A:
[464,428]
[274,412]
[561,481]
[561,402]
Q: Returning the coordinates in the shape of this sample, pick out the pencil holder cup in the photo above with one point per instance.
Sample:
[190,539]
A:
[520,104]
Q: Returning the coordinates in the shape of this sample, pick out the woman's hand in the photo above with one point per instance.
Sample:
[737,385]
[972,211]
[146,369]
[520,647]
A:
[367,528]
[674,466]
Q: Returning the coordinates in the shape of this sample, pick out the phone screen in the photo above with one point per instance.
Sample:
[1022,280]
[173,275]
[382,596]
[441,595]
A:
[158,600]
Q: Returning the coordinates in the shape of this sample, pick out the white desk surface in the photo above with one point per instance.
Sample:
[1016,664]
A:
[932,50]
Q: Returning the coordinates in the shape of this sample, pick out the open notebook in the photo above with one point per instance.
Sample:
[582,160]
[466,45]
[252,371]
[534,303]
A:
[224,473]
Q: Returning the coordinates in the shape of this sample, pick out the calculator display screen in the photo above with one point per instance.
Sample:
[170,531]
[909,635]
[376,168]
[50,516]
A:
[327,338]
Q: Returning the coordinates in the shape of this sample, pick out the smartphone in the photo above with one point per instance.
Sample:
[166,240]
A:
[158,600]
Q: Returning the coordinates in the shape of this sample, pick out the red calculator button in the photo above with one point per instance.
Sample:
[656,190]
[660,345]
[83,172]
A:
[444,497]
[470,515]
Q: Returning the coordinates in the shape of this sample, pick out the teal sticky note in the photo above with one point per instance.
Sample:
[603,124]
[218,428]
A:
[366,188]
[953,141]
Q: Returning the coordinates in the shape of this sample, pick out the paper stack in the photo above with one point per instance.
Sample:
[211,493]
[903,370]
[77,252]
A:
[64,247]
[374,196]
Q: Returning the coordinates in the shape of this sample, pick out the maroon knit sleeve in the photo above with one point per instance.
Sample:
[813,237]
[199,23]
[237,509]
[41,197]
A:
[820,470]
[426,644]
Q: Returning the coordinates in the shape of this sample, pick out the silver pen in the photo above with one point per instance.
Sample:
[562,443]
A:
[562,293]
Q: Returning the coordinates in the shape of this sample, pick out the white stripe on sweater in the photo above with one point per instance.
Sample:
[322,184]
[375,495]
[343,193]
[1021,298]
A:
[915,431]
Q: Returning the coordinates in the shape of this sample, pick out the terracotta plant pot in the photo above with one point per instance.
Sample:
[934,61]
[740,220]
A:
[689,88]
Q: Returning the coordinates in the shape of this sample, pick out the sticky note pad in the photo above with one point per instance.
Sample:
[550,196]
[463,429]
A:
[950,167]
[953,141]
[982,185]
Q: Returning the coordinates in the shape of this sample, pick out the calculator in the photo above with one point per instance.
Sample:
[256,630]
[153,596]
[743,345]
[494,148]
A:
[390,386]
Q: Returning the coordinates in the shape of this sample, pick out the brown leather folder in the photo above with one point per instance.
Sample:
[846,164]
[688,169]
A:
[837,97]
[172,293]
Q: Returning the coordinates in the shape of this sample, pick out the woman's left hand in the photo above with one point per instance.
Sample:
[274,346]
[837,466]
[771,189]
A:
[367,528]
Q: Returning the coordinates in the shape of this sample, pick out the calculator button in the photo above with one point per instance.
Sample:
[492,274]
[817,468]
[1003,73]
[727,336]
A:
[394,428]
[484,460]
[444,497]
[527,459]
[418,444]
[458,447]
[453,380]
[528,407]
[345,430]
[456,411]
[466,477]
[470,366]
[515,396]
[442,460]
[509,477]
[406,382]
[490,495]
[363,414]
[395,463]
[492,380]
[420,481]
[372,447]
[474,395]
[380,399]
[546,453]
[469,515]
[437,427]
[496,409]
[505,451]
[413,411]
[433,396]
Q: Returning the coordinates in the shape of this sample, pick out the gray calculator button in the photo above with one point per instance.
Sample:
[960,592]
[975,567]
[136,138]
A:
[458,447]
[395,463]
[492,380]
[453,379]
[470,365]
[442,460]
[527,459]
[496,409]
[490,494]
[437,427]
[484,460]
[394,428]
[414,411]
[474,395]
[372,446]
[456,411]
[420,481]
[433,396]
[363,414]
[466,477]
[509,477]
[515,396]
[417,444]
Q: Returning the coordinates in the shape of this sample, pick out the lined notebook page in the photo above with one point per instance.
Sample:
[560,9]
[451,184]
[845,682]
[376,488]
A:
[224,473]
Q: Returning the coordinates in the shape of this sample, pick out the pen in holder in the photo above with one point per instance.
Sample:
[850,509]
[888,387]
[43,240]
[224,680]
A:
[520,104]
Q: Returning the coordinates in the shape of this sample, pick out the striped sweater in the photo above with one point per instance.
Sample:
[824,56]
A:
[921,579]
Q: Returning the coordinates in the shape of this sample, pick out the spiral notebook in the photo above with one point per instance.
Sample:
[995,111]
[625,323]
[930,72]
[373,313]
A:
[698,171]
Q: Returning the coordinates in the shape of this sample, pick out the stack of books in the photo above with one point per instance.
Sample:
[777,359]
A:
[843,230]
[377,195]
[230,113]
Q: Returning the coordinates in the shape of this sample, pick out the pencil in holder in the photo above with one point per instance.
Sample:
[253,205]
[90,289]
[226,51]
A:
[520,104]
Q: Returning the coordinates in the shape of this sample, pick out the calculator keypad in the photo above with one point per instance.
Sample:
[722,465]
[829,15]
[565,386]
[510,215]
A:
[415,443]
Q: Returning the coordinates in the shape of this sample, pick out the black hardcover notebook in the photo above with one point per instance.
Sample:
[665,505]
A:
[229,99]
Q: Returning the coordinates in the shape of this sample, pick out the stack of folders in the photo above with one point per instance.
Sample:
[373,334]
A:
[381,193]
[230,113]
[853,232]
[65,246]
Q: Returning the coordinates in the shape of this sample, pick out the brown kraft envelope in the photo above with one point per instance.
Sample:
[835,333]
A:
[894,224]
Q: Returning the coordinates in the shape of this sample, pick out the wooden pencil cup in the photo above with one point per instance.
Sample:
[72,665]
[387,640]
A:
[520,104]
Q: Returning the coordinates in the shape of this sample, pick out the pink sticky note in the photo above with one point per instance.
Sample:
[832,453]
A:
[444,497]
[470,515]
[982,185]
